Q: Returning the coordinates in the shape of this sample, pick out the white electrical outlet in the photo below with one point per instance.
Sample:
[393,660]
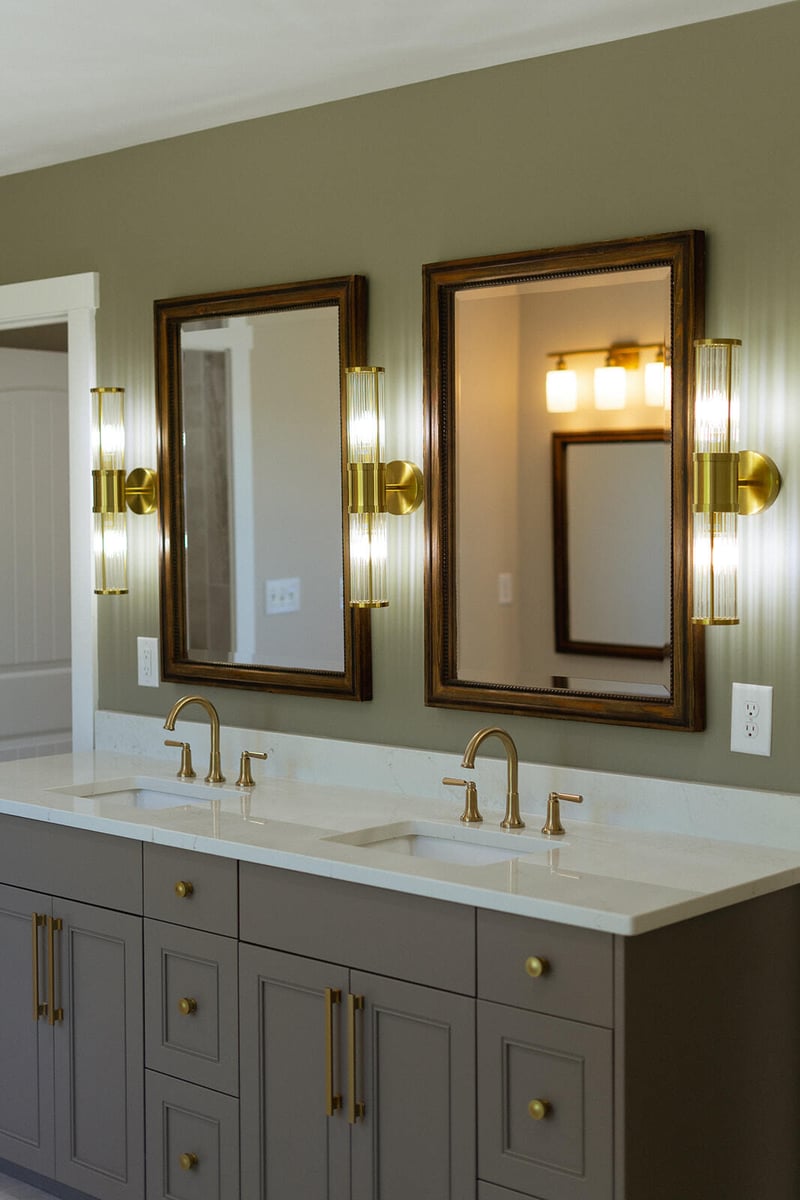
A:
[147,661]
[282,596]
[751,719]
[505,588]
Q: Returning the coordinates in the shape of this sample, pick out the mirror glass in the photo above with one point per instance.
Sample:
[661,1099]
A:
[252,501]
[559,510]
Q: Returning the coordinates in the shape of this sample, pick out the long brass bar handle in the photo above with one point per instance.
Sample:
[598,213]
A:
[54,926]
[355,1108]
[37,921]
[332,1099]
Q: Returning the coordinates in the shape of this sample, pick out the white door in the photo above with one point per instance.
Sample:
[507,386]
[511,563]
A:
[35,669]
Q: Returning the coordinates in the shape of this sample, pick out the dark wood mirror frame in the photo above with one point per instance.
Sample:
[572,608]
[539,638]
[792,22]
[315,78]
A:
[348,294]
[684,708]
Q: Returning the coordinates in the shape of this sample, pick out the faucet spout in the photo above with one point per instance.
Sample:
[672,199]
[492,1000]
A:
[214,770]
[512,819]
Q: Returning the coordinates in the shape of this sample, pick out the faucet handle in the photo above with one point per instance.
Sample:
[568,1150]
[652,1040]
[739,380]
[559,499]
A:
[470,815]
[245,779]
[186,770]
[552,825]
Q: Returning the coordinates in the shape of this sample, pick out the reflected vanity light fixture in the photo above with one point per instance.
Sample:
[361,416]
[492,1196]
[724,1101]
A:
[114,492]
[375,487]
[610,380]
[728,482]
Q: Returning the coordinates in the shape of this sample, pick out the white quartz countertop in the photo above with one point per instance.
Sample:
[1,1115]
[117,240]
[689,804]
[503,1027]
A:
[623,881]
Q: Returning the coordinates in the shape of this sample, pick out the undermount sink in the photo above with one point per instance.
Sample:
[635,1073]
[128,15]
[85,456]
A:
[445,843]
[142,792]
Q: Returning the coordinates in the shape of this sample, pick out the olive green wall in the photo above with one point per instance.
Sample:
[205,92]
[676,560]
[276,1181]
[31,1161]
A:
[692,128]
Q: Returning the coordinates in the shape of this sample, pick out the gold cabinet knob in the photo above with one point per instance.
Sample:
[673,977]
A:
[187,1005]
[539,1109]
[183,888]
[536,967]
[188,1161]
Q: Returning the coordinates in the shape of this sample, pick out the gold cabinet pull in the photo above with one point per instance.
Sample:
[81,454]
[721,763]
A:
[539,1109]
[187,1005]
[54,926]
[355,1108]
[183,888]
[536,967]
[188,1161]
[332,1099]
[37,921]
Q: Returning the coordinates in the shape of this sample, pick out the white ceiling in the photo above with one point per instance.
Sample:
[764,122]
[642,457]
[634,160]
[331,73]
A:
[80,77]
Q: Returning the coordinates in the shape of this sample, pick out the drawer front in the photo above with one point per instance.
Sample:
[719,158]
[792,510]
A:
[577,981]
[192,1005]
[188,888]
[388,933]
[488,1191]
[192,1142]
[567,1153]
[77,864]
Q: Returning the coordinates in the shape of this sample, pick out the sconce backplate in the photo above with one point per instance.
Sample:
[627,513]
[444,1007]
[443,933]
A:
[404,488]
[759,482]
[141,491]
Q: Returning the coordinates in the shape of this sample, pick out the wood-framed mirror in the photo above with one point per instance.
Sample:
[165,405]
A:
[250,401]
[496,330]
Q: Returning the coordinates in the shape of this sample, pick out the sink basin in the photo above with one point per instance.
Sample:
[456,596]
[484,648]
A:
[445,843]
[144,793]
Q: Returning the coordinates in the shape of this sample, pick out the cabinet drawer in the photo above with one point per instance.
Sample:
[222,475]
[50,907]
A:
[388,933]
[192,1141]
[488,1191]
[75,863]
[567,1154]
[206,901]
[191,1005]
[578,977]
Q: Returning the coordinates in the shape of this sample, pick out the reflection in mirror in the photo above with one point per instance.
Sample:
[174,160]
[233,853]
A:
[547,466]
[252,460]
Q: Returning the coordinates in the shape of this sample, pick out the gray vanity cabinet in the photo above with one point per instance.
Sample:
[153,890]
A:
[72,1103]
[355,1085]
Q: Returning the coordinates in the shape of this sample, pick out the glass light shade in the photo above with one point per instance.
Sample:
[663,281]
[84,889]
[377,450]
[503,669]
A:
[716,403]
[561,390]
[657,384]
[715,569]
[368,555]
[108,457]
[609,387]
[365,427]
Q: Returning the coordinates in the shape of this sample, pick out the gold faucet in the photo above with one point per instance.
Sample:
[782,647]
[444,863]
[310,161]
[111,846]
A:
[214,773]
[512,819]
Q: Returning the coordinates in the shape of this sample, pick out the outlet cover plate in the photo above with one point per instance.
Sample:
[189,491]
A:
[751,719]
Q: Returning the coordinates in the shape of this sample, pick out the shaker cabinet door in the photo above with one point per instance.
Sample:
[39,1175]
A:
[291,1146]
[99,1052]
[26,1043]
[415,1075]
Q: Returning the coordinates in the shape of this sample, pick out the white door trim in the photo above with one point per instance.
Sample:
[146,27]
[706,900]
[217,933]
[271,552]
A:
[74,299]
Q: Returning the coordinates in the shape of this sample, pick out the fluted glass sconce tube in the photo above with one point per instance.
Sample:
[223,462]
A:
[561,387]
[727,482]
[113,492]
[375,487]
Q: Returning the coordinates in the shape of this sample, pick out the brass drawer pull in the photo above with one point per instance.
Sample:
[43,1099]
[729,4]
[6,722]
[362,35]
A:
[37,921]
[188,1161]
[183,888]
[355,1108]
[187,1005]
[54,926]
[539,1109]
[536,967]
[332,1099]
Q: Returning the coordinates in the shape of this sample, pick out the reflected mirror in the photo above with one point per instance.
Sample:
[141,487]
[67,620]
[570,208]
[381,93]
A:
[251,454]
[558,450]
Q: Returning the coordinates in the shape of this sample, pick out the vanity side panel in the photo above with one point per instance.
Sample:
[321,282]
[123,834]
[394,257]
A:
[388,933]
[76,863]
[708,1056]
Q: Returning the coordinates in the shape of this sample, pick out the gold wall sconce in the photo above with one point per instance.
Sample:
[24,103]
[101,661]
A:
[114,492]
[610,380]
[375,487]
[728,482]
